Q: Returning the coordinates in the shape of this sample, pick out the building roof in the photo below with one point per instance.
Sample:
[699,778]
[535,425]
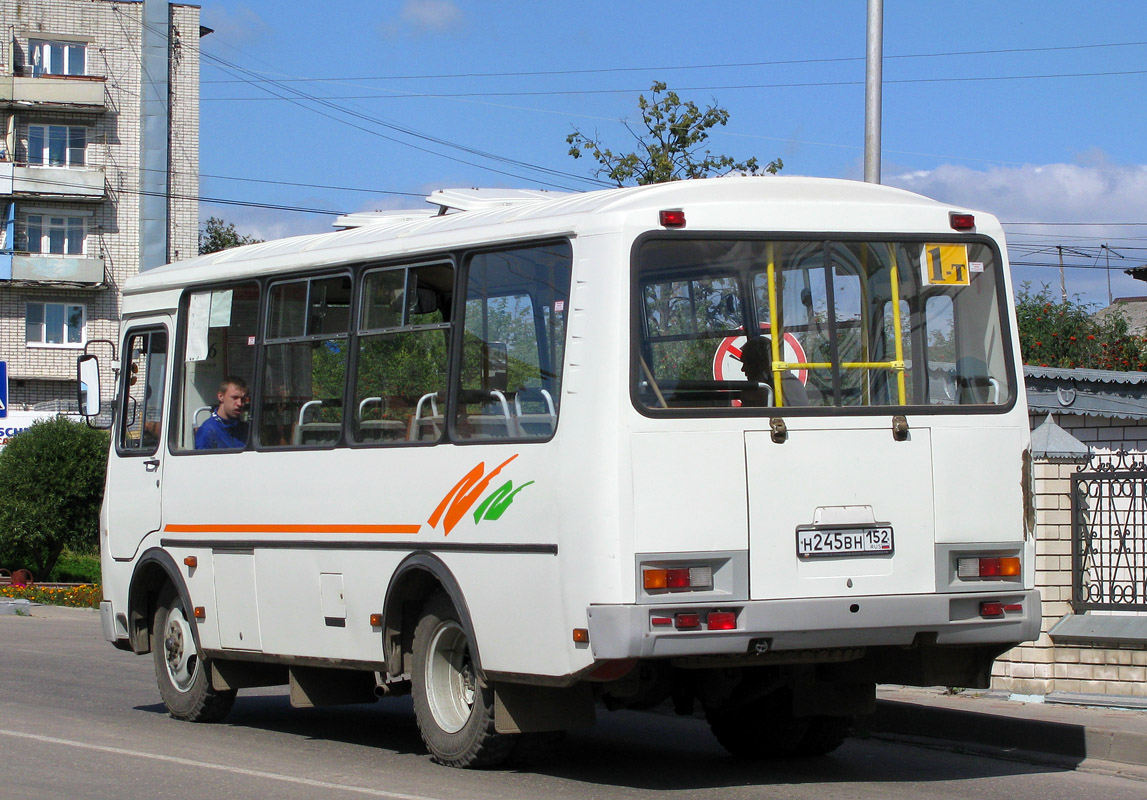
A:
[1133,309]
[1087,392]
[1052,443]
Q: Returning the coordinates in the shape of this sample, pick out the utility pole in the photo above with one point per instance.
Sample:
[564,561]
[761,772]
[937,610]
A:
[1062,280]
[873,81]
[1107,250]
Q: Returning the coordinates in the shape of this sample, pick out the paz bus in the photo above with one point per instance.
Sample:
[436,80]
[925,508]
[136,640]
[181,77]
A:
[510,455]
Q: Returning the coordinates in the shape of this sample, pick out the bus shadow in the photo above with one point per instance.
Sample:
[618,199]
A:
[638,750]
[385,725]
[655,751]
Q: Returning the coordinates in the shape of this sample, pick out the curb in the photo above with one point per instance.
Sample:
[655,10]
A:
[12,606]
[997,732]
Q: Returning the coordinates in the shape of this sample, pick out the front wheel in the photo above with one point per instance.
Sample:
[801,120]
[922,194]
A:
[184,678]
[454,710]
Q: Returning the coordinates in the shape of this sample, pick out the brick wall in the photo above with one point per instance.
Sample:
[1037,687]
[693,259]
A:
[112,30]
[1044,667]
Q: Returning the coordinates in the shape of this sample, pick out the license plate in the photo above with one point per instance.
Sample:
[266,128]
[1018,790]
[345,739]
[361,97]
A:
[861,540]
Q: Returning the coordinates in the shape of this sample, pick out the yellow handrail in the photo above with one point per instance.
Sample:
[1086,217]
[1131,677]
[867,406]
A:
[774,339]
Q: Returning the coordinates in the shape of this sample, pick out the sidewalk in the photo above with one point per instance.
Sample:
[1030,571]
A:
[989,722]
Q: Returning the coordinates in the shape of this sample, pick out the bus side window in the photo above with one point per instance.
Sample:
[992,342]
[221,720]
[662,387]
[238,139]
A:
[301,402]
[403,338]
[220,326]
[512,344]
[141,415]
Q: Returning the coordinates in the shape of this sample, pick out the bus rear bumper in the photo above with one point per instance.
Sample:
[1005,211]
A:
[654,631]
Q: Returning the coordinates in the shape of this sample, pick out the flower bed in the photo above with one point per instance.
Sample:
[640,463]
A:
[86,595]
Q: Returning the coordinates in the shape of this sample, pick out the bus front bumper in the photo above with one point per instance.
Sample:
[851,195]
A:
[655,631]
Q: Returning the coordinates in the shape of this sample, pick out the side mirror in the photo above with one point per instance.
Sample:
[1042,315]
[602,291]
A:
[88,376]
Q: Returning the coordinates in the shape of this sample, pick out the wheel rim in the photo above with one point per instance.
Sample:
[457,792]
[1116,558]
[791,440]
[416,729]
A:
[179,650]
[450,680]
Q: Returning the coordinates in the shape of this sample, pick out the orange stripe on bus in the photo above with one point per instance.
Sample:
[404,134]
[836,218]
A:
[409,529]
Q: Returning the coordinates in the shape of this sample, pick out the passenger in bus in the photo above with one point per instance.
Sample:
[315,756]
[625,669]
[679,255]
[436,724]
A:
[757,364]
[225,428]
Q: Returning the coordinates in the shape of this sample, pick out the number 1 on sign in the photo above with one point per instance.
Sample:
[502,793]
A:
[946,265]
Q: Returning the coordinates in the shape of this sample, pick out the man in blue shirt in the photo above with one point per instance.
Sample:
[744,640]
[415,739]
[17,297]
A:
[225,428]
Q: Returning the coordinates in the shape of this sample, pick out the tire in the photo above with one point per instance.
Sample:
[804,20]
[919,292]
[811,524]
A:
[761,729]
[824,735]
[184,678]
[454,711]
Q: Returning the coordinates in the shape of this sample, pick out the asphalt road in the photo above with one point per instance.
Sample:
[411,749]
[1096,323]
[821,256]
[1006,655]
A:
[81,719]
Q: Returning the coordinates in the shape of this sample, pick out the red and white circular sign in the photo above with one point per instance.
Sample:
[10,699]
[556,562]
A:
[727,359]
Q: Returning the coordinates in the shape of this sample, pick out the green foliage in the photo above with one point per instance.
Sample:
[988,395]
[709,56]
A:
[218,234]
[51,486]
[1066,334]
[670,148]
[74,567]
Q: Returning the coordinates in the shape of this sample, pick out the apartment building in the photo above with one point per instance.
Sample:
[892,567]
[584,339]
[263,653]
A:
[78,177]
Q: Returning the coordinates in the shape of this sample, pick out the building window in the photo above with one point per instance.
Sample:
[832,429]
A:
[58,58]
[56,145]
[59,324]
[55,235]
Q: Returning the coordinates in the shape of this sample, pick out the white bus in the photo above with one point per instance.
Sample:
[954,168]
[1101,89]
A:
[753,445]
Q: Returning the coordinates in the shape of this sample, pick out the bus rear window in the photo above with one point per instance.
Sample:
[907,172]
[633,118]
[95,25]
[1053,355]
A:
[752,323]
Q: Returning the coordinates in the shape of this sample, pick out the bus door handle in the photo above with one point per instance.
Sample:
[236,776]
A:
[151,464]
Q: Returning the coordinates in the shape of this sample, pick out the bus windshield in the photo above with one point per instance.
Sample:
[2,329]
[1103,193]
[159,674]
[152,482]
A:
[728,323]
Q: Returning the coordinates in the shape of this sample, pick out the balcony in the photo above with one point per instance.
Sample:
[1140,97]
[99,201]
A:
[56,269]
[51,183]
[54,92]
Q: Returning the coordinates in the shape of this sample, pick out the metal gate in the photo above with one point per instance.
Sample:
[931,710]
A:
[1109,534]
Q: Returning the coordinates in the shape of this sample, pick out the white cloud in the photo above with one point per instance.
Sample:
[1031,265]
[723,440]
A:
[424,16]
[1093,190]
[236,24]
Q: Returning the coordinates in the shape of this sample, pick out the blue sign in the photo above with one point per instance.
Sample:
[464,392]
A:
[3,389]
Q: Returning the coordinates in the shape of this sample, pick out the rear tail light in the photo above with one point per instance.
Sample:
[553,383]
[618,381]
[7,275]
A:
[961,222]
[991,609]
[998,609]
[988,567]
[689,579]
[689,620]
[722,620]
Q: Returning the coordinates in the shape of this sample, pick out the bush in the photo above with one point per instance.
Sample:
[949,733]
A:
[51,486]
[73,567]
[1066,334]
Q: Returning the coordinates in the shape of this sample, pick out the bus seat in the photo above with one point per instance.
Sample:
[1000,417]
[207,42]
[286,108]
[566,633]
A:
[429,428]
[315,432]
[538,424]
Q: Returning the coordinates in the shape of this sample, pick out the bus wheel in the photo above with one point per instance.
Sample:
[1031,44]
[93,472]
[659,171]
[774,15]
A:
[184,679]
[824,735]
[763,728]
[454,711]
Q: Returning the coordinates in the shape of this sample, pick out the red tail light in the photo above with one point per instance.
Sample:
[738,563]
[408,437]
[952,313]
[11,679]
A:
[991,609]
[688,620]
[672,218]
[962,222]
[722,620]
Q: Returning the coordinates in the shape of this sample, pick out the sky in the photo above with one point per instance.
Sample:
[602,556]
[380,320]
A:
[1032,111]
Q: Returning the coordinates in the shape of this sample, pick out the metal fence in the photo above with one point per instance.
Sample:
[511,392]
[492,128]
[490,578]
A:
[1109,534]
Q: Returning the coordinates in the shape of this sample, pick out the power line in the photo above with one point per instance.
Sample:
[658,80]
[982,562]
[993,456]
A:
[726,87]
[736,65]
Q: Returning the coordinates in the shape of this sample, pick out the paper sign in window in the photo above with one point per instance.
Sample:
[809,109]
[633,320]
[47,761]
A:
[945,265]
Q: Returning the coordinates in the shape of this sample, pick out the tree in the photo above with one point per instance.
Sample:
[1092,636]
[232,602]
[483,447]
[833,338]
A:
[218,234]
[1066,334]
[51,487]
[670,148]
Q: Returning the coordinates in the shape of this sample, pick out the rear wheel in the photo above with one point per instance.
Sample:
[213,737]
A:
[184,678]
[762,728]
[824,735]
[454,710]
